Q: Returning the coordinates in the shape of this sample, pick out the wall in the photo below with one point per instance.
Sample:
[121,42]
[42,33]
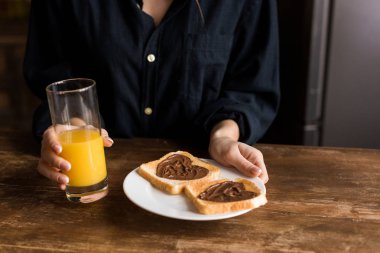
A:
[352,101]
[16,101]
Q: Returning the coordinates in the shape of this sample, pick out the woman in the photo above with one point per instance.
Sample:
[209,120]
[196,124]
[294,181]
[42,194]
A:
[164,68]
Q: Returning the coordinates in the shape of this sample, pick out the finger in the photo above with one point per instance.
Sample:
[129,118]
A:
[256,157]
[54,160]
[75,121]
[62,186]
[50,139]
[107,141]
[264,173]
[264,177]
[51,173]
[236,159]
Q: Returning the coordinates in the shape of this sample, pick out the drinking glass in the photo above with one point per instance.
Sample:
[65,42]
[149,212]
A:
[74,111]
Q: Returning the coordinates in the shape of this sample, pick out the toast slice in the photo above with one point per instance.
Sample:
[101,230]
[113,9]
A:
[175,170]
[222,196]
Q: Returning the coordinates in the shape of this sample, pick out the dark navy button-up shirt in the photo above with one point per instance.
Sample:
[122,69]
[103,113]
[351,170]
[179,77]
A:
[197,67]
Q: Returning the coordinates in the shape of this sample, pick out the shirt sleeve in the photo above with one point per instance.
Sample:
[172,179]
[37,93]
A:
[44,60]
[250,94]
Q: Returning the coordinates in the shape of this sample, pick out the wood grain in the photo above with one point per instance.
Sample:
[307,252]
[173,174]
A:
[320,200]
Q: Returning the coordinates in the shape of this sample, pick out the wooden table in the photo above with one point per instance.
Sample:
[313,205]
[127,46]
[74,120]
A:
[320,200]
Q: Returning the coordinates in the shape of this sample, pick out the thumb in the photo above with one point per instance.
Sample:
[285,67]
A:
[107,141]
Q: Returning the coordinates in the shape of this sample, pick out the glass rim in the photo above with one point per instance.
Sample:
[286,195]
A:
[91,84]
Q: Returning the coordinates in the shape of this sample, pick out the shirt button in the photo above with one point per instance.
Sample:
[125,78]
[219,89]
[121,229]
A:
[151,58]
[148,111]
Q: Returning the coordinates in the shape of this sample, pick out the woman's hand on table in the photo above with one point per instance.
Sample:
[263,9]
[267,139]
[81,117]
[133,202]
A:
[225,149]
[51,164]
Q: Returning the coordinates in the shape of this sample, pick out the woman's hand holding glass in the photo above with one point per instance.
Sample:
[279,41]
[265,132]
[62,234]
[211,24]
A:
[51,164]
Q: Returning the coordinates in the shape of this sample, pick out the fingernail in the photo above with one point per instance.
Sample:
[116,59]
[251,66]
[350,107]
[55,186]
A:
[63,180]
[110,140]
[65,165]
[62,187]
[57,149]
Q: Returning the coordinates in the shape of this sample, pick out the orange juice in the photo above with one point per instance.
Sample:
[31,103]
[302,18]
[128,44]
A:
[83,148]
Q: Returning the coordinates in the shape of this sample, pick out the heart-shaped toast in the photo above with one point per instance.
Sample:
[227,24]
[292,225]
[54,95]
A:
[172,172]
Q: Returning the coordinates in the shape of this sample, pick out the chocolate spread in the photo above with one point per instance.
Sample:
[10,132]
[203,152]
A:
[227,191]
[179,167]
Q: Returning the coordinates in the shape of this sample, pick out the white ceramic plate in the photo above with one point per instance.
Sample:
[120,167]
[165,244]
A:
[146,196]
